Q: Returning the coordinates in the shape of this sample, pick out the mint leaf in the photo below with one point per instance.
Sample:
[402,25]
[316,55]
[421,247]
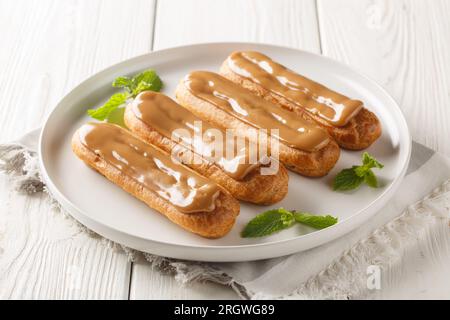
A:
[276,220]
[146,75]
[352,178]
[116,117]
[360,171]
[370,161]
[146,86]
[113,103]
[144,81]
[110,111]
[347,179]
[123,82]
[318,222]
[268,222]
[370,179]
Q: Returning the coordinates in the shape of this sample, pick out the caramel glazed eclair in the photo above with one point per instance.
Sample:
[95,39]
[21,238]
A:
[188,199]
[157,119]
[348,122]
[304,147]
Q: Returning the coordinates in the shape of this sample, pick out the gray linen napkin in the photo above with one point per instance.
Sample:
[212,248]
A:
[342,269]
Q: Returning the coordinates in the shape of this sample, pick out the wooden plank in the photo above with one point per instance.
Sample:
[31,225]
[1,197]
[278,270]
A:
[285,22]
[404,45]
[48,46]
[52,46]
[178,22]
[149,283]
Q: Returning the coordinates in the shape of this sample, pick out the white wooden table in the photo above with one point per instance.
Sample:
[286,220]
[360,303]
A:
[49,46]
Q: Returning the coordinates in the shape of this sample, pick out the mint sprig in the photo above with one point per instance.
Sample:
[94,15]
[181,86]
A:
[122,82]
[115,101]
[317,222]
[352,178]
[275,220]
[268,222]
[147,80]
[144,81]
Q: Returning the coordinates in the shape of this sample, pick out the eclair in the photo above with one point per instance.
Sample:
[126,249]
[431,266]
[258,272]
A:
[347,120]
[160,121]
[188,199]
[303,146]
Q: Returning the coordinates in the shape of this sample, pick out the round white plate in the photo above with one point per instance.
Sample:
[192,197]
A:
[111,212]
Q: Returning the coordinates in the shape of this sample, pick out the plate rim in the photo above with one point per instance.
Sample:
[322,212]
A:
[367,210]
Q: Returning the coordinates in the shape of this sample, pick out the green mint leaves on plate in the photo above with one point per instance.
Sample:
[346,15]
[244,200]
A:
[276,220]
[317,222]
[115,101]
[352,178]
[144,81]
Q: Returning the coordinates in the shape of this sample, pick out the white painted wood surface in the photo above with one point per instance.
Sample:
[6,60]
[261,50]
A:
[285,22]
[48,46]
[405,46]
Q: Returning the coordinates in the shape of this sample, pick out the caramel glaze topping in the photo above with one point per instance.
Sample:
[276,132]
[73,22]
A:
[256,111]
[166,116]
[149,166]
[331,106]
